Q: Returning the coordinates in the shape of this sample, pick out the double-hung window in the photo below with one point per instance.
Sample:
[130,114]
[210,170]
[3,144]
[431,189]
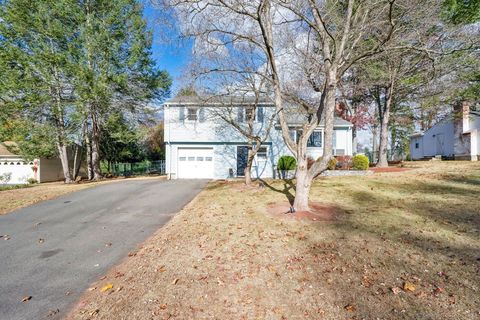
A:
[192,114]
[250,113]
[315,140]
[262,154]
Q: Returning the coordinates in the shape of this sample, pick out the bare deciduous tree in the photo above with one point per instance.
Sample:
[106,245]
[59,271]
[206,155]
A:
[306,46]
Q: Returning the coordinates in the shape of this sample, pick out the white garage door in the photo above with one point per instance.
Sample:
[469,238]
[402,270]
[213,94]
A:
[195,163]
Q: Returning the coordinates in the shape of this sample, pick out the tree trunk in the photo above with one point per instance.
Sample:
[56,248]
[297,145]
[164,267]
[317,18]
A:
[302,186]
[354,140]
[374,143]
[97,173]
[306,175]
[248,167]
[76,162]
[382,150]
[384,118]
[88,146]
[62,153]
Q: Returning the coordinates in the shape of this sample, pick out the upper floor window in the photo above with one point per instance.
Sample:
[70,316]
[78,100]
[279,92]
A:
[192,114]
[250,113]
[417,145]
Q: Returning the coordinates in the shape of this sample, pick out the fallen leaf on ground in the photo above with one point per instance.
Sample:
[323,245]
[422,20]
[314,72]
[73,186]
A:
[103,278]
[408,286]
[107,287]
[92,288]
[350,308]
[396,290]
[25,299]
[41,240]
[163,306]
[94,312]
[175,281]
[437,291]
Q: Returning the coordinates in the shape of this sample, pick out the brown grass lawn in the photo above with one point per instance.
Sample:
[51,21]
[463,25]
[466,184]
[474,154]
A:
[19,198]
[404,245]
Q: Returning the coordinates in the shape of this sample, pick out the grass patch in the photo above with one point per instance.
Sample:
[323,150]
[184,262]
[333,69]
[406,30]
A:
[406,247]
[15,186]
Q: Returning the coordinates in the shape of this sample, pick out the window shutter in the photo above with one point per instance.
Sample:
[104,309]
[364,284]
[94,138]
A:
[182,114]
[240,114]
[201,114]
[260,115]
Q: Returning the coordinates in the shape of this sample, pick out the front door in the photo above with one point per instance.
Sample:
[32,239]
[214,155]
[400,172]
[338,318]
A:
[439,145]
[242,156]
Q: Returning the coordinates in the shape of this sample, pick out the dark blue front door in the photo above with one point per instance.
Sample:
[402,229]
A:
[242,156]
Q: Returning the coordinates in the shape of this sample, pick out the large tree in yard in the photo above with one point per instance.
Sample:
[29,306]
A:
[237,99]
[306,47]
[116,72]
[35,40]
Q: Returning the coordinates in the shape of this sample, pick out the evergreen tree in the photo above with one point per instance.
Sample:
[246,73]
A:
[116,73]
[35,43]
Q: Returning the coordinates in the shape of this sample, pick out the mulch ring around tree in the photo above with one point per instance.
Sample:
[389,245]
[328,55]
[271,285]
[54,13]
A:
[318,212]
[389,169]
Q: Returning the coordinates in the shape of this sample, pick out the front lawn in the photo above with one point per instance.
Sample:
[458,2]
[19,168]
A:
[4,187]
[402,245]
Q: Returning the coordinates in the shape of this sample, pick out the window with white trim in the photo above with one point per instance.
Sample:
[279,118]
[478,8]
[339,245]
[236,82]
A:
[315,140]
[192,114]
[250,113]
[262,154]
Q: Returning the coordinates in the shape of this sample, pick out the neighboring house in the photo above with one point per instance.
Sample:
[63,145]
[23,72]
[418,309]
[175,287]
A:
[199,145]
[457,137]
[14,169]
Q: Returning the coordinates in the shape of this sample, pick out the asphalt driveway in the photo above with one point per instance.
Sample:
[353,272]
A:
[58,247]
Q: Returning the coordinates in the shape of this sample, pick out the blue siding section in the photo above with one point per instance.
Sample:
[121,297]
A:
[212,132]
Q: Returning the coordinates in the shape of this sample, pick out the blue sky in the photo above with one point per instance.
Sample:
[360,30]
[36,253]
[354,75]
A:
[169,55]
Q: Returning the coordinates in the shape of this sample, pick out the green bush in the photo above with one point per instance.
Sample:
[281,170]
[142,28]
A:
[32,181]
[287,163]
[332,164]
[360,162]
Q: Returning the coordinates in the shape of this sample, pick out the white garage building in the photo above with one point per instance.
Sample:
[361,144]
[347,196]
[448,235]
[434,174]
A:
[456,137]
[14,169]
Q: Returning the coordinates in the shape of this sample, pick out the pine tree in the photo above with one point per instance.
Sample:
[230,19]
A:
[35,39]
[116,71]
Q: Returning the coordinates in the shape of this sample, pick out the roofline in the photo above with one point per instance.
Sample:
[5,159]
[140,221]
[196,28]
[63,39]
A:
[296,125]
[220,104]
[418,134]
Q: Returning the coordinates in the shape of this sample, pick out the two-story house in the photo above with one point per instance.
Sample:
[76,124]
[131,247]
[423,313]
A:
[201,145]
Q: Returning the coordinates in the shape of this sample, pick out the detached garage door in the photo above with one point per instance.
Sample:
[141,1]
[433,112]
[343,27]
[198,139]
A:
[195,163]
